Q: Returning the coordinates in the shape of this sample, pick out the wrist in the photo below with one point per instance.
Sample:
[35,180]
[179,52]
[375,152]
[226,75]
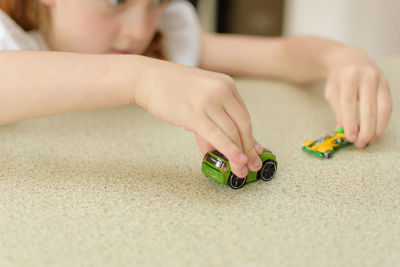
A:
[132,71]
[118,76]
[144,73]
[345,55]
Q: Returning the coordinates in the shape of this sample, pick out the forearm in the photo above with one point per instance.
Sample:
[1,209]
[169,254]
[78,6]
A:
[306,59]
[239,54]
[35,84]
[297,59]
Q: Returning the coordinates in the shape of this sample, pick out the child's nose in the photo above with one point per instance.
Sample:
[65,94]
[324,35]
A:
[137,28]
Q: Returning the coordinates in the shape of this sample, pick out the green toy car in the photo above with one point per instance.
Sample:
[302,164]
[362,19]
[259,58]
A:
[216,166]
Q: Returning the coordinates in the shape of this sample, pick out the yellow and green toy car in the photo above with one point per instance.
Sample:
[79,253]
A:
[216,166]
[325,146]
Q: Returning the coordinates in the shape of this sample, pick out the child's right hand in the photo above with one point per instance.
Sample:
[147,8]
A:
[205,103]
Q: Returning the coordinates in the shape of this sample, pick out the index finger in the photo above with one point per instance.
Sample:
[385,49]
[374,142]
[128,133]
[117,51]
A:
[349,87]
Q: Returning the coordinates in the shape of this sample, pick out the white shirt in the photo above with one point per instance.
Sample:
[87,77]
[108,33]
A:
[179,24]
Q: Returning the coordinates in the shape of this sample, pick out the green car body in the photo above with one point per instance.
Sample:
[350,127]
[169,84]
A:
[216,166]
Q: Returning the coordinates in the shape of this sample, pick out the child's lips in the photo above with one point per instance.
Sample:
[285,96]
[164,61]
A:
[122,51]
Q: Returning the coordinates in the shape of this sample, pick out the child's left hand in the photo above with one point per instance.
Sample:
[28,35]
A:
[356,84]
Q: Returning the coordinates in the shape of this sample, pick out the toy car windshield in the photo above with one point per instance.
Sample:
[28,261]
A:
[219,154]
[214,161]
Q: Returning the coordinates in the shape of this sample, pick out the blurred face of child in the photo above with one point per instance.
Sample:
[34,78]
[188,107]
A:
[103,26]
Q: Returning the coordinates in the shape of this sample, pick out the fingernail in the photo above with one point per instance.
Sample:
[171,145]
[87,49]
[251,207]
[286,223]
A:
[257,146]
[242,157]
[360,144]
[244,171]
[257,163]
[353,137]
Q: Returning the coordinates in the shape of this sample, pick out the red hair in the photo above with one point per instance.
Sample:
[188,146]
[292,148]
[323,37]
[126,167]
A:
[23,12]
[32,15]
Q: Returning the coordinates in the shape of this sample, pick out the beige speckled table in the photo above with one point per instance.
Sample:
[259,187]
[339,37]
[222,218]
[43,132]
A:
[117,187]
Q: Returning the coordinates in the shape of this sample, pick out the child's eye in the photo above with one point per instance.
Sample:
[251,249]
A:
[120,2]
[158,2]
[116,2]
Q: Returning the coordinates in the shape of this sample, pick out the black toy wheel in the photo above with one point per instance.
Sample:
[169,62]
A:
[339,140]
[328,154]
[267,171]
[236,182]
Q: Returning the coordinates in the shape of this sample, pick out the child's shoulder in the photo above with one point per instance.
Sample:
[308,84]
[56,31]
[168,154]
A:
[180,10]
[181,28]
[13,37]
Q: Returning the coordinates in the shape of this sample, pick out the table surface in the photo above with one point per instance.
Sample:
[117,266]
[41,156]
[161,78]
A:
[118,187]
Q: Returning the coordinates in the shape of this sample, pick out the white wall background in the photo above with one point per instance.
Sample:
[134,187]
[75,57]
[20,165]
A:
[371,24]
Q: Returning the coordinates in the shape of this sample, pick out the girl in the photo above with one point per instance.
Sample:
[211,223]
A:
[103,53]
